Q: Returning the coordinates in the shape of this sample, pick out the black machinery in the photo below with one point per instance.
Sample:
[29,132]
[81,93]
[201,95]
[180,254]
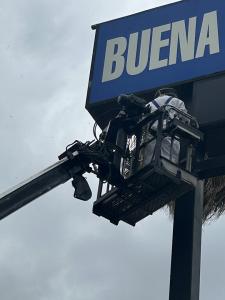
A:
[149,180]
[129,189]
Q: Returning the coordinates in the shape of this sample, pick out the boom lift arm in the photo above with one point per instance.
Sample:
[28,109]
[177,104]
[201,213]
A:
[74,162]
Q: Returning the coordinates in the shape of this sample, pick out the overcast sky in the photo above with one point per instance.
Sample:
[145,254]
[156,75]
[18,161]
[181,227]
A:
[55,248]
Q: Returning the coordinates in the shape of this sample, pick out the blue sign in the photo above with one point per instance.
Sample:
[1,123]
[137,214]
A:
[159,47]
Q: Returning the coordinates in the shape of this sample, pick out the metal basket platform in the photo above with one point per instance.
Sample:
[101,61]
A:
[149,184]
[144,193]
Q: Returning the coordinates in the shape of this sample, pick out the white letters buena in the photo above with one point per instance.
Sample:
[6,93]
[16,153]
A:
[178,38]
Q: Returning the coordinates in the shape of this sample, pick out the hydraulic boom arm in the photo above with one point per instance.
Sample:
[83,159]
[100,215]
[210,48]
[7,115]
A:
[37,185]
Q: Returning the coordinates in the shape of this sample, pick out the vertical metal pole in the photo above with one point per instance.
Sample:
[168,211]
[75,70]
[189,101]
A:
[186,248]
[136,162]
[189,158]
[159,139]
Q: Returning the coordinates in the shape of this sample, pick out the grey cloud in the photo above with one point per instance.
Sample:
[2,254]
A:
[55,248]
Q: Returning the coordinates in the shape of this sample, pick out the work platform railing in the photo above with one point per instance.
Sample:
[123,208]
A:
[155,155]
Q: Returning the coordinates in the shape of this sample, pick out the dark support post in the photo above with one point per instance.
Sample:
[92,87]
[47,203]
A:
[186,249]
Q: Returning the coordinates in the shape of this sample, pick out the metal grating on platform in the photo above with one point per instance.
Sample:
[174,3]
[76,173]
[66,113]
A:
[140,196]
